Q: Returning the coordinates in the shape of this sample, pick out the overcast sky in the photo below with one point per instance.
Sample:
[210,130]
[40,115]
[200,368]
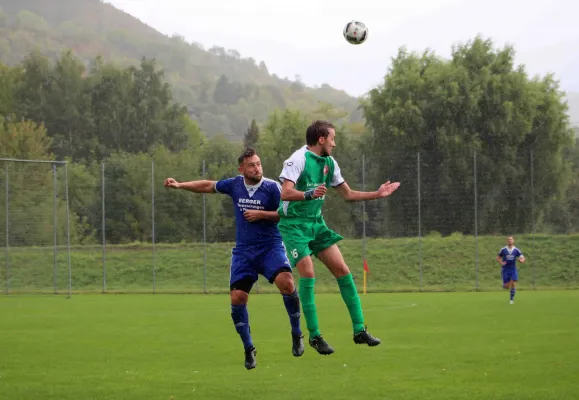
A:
[304,37]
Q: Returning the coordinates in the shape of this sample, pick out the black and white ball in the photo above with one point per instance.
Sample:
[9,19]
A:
[355,32]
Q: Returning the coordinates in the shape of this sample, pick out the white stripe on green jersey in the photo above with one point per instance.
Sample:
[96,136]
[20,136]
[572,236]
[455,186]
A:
[308,171]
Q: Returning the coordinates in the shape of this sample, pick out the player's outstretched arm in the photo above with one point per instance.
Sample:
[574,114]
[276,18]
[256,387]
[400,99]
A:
[385,190]
[202,186]
[289,193]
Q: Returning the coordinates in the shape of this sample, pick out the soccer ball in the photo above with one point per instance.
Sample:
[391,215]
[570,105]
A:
[355,32]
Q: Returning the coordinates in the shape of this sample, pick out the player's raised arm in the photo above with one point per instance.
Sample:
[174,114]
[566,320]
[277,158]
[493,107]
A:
[201,186]
[353,195]
[339,183]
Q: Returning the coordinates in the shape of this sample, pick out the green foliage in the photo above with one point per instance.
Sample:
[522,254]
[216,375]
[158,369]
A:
[90,114]
[33,199]
[29,21]
[24,140]
[448,110]
[219,88]
[94,113]
[8,78]
[251,137]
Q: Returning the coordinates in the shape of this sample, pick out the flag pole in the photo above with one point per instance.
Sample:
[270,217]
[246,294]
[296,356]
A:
[365,281]
[364,222]
[366,271]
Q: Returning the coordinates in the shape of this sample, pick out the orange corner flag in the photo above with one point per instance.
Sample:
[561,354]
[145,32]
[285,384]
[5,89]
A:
[366,266]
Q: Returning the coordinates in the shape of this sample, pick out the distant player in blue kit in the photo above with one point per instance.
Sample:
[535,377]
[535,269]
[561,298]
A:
[507,257]
[259,248]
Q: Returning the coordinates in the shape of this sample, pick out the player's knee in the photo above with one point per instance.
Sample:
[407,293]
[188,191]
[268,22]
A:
[285,283]
[306,268]
[238,297]
[340,270]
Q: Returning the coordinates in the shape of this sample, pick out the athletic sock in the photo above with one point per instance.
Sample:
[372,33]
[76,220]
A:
[352,300]
[307,298]
[292,306]
[241,321]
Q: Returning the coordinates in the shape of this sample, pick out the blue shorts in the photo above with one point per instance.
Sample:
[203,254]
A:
[246,263]
[510,274]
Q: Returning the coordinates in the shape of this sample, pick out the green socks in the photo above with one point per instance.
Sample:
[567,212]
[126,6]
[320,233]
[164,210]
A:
[352,300]
[349,294]
[307,298]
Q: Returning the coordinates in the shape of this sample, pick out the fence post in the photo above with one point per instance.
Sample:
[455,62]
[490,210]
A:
[68,229]
[153,222]
[103,227]
[419,219]
[204,236]
[364,221]
[6,249]
[54,229]
[475,222]
[533,218]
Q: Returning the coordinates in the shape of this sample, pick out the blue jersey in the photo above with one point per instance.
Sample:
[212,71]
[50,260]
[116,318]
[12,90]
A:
[263,196]
[510,256]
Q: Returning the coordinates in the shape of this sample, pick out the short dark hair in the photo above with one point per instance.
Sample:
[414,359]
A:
[248,152]
[316,130]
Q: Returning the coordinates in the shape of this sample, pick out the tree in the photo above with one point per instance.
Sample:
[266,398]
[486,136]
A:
[24,140]
[30,187]
[8,80]
[448,110]
[68,109]
[251,137]
[283,133]
[225,92]
[91,114]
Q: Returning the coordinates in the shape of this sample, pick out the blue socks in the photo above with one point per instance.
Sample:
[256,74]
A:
[241,321]
[292,305]
[240,318]
[513,293]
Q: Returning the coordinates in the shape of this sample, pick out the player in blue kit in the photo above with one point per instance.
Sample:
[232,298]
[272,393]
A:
[507,257]
[259,248]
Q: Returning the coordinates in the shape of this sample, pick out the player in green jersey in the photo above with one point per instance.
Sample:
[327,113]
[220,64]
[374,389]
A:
[305,178]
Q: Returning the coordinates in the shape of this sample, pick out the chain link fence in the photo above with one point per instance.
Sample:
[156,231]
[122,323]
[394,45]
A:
[110,228]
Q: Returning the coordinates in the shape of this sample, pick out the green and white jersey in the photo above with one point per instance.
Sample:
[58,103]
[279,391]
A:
[308,171]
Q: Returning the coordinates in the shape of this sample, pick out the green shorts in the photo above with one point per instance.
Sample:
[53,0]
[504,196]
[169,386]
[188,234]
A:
[304,237]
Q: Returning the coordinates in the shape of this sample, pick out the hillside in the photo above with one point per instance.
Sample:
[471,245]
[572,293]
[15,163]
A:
[222,90]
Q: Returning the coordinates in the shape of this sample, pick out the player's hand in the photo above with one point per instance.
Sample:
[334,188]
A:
[320,191]
[252,215]
[503,263]
[522,259]
[388,188]
[172,183]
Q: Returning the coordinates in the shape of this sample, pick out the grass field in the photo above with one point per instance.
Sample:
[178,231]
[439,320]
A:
[448,264]
[435,345]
